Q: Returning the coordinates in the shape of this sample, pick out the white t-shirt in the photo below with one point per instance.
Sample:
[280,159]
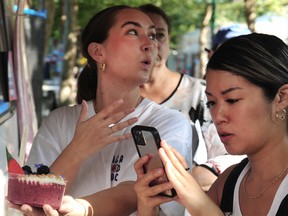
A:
[189,93]
[115,162]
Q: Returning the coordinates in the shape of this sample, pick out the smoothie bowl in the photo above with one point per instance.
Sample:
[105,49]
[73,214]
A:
[36,190]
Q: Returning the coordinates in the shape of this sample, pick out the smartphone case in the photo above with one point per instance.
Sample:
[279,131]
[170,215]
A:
[147,140]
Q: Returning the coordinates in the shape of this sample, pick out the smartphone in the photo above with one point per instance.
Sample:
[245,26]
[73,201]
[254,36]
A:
[147,140]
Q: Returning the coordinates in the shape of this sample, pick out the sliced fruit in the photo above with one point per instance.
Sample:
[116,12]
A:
[13,165]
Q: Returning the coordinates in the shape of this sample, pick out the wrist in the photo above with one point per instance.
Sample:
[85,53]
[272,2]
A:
[86,208]
[148,211]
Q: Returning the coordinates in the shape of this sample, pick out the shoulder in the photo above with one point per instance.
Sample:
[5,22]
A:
[63,112]
[66,115]
[161,111]
[232,172]
[193,81]
[151,113]
[194,87]
[216,190]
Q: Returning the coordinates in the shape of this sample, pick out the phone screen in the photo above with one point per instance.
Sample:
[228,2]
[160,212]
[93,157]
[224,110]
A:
[147,140]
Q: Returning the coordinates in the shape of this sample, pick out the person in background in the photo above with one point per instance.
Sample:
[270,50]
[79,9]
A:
[90,144]
[186,94]
[225,33]
[247,90]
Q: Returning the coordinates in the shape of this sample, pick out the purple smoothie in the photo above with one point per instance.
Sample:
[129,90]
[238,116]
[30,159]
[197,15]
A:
[36,190]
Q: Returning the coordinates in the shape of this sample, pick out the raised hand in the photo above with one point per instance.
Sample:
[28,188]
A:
[91,135]
[189,192]
[148,198]
[176,171]
[94,133]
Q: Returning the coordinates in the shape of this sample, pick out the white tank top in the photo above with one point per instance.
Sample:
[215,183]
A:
[280,195]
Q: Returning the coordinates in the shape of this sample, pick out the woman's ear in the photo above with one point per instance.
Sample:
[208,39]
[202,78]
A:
[282,96]
[95,51]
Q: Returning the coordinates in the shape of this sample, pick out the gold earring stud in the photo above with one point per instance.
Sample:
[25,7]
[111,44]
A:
[102,66]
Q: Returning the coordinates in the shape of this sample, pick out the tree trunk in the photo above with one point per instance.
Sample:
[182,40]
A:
[250,13]
[204,33]
[68,84]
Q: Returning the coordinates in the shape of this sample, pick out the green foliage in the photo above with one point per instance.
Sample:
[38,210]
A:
[279,7]
[185,16]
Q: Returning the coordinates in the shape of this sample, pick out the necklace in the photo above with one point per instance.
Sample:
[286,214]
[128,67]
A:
[266,188]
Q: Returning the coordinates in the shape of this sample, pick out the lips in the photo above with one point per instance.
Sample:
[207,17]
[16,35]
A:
[224,136]
[147,63]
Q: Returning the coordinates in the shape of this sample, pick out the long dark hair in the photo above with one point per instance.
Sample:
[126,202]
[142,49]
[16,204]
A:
[260,58]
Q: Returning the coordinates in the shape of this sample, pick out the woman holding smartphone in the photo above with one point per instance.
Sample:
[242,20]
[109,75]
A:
[247,92]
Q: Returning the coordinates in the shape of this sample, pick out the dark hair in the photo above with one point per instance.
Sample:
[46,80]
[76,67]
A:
[96,30]
[150,8]
[260,58]
[86,85]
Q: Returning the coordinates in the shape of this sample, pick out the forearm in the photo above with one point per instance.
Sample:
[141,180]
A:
[150,212]
[67,164]
[204,177]
[119,200]
[202,205]
[209,209]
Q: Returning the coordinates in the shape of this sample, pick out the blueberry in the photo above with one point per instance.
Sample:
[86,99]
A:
[43,170]
[27,170]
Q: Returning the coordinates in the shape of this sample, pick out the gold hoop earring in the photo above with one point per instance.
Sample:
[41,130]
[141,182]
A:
[281,115]
[102,66]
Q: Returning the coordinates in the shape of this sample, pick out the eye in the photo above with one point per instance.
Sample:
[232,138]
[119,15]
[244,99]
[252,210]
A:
[232,101]
[152,36]
[160,37]
[209,104]
[132,32]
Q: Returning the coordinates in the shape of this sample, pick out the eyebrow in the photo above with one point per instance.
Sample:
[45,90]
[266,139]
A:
[226,91]
[135,24]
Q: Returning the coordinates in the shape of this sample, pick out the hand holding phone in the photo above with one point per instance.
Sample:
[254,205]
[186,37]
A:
[147,141]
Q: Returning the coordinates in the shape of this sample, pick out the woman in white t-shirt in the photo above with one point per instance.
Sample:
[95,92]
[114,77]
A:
[90,144]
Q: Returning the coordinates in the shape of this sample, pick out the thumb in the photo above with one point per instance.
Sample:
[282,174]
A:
[84,112]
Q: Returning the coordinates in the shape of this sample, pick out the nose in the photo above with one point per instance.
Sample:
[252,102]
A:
[149,45]
[219,115]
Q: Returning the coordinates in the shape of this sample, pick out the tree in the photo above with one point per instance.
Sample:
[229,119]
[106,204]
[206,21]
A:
[203,37]
[250,9]
[72,15]
[71,29]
